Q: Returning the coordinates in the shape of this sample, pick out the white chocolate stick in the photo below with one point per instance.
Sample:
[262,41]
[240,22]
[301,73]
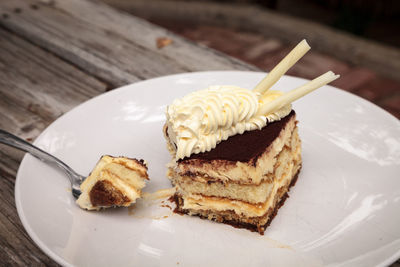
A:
[295,94]
[279,70]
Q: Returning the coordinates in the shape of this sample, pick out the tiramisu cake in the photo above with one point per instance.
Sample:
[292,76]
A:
[236,152]
[115,181]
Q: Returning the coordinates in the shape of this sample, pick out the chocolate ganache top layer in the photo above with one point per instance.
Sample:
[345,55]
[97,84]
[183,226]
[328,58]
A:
[246,146]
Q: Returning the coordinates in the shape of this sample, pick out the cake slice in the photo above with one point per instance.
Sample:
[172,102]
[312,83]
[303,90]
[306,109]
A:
[236,152]
[115,181]
[244,179]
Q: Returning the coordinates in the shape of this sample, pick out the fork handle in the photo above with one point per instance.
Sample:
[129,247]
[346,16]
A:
[16,142]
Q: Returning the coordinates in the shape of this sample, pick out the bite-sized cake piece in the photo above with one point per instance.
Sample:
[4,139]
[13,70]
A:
[236,152]
[115,181]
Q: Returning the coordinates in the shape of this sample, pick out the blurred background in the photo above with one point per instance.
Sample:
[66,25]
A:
[377,20]
[358,39]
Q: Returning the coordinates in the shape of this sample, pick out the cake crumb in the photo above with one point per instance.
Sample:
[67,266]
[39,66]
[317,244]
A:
[131,210]
[159,194]
[166,206]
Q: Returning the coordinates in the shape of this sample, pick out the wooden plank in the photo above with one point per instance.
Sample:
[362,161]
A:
[112,46]
[37,87]
[186,54]
[383,59]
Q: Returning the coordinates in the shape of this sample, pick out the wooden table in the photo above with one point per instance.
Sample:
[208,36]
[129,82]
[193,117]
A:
[55,54]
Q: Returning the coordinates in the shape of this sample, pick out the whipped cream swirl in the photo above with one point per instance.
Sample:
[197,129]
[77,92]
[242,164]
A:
[202,119]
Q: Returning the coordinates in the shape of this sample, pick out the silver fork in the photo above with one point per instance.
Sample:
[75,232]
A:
[14,141]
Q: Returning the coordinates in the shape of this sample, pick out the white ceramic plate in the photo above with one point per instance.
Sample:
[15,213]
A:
[343,211]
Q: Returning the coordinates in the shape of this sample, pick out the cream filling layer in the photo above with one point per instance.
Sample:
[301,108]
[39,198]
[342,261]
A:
[198,202]
[248,193]
[251,193]
[241,171]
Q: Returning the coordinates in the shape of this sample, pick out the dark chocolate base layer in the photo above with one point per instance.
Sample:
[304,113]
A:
[252,225]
